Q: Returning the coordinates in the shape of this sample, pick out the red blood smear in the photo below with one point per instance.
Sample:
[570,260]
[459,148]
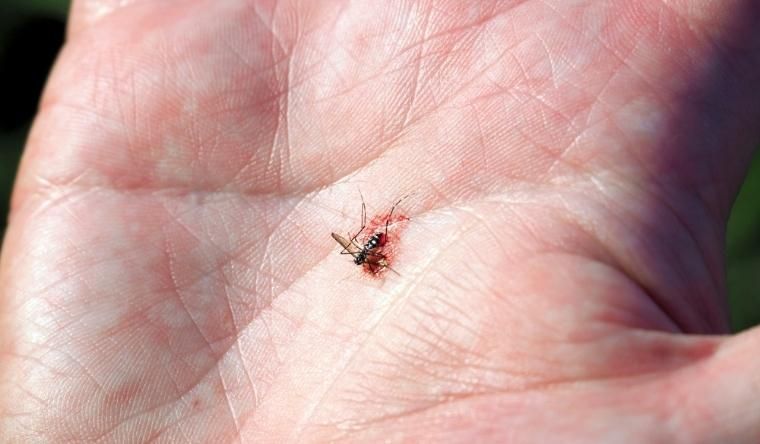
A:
[388,245]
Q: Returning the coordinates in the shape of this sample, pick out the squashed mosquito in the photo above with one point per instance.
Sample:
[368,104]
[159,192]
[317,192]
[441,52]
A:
[369,253]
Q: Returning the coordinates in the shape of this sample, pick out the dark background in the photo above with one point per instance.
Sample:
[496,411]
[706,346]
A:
[32,32]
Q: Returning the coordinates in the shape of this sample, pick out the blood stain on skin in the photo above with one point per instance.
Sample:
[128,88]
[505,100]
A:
[375,246]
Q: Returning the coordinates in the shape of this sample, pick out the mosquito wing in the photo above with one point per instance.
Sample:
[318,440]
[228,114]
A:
[347,245]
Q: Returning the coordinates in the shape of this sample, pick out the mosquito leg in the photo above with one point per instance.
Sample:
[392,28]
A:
[345,248]
[364,223]
[364,214]
[391,269]
[358,246]
[354,242]
[364,217]
[390,215]
[388,220]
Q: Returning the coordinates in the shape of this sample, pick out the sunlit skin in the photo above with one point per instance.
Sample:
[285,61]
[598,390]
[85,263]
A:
[169,275]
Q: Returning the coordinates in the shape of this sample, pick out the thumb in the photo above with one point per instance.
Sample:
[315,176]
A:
[723,401]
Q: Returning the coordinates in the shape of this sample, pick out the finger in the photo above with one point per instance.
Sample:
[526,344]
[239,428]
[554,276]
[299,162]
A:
[714,119]
[721,403]
[85,13]
[687,114]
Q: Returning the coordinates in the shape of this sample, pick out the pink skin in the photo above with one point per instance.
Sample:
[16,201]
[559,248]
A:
[169,274]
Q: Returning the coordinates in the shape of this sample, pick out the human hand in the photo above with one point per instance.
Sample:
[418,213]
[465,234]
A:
[168,273]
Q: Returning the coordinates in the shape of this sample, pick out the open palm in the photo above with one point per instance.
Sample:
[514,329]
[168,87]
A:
[169,274]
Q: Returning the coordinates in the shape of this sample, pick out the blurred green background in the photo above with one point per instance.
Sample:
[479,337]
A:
[31,33]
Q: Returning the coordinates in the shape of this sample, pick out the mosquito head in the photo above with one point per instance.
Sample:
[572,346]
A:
[360,258]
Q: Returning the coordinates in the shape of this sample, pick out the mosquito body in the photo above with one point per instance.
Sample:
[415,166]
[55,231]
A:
[377,240]
[362,255]
[368,253]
